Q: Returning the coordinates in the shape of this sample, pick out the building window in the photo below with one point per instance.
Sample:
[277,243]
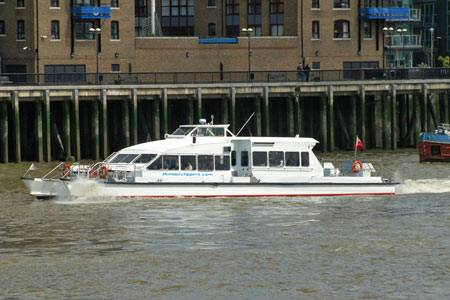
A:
[367,3]
[21,30]
[2,27]
[211,2]
[276,17]
[315,30]
[140,14]
[316,65]
[54,3]
[55,30]
[341,4]
[232,18]
[211,29]
[254,17]
[115,68]
[177,17]
[315,4]
[82,30]
[114,3]
[276,30]
[84,3]
[341,29]
[367,30]
[20,3]
[114,30]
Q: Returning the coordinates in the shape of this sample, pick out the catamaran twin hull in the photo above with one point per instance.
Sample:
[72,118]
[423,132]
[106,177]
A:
[44,189]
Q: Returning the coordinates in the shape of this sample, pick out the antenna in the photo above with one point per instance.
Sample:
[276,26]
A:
[248,120]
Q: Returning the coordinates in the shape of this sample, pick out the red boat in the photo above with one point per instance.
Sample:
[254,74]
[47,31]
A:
[435,146]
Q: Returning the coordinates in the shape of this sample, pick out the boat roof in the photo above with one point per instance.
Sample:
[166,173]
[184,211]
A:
[208,134]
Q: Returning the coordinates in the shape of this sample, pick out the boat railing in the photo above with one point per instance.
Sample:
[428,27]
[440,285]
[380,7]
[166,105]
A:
[348,167]
[55,172]
[120,172]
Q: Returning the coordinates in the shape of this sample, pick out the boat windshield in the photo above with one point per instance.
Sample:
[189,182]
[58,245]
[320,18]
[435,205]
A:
[209,131]
[183,130]
[144,158]
[123,158]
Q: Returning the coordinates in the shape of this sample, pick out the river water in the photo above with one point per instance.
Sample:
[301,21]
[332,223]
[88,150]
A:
[371,247]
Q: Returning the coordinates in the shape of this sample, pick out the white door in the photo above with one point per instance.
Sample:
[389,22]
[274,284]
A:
[241,164]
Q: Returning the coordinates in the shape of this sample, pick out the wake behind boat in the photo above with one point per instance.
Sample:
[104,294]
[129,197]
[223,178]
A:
[207,160]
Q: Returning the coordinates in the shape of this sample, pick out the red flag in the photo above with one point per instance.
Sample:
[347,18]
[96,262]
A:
[359,145]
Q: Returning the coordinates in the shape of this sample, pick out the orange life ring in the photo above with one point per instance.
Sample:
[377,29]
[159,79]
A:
[66,171]
[357,166]
[103,172]
[93,173]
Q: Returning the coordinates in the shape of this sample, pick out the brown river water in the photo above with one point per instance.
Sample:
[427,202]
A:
[350,247]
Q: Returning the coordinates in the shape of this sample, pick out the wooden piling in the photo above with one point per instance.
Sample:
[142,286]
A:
[233,109]
[198,95]
[165,118]
[4,144]
[258,118]
[393,111]
[298,114]
[331,138]
[76,111]
[95,130]
[323,124]
[16,126]
[266,111]
[156,121]
[362,114]
[39,132]
[48,130]
[134,117]
[291,122]
[126,122]
[104,126]
[424,109]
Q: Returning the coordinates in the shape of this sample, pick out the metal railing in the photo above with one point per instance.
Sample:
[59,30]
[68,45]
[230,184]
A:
[141,78]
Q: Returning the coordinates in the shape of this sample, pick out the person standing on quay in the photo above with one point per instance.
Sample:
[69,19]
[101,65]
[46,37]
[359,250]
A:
[307,69]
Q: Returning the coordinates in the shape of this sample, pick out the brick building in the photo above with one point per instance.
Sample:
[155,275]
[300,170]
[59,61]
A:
[53,36]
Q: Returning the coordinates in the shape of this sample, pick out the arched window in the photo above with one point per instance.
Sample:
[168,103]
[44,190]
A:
[341,29]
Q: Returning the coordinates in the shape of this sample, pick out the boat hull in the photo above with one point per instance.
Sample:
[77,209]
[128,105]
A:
[434,147]
[146,190]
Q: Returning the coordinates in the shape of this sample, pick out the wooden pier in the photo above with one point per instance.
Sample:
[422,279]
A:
[45,123]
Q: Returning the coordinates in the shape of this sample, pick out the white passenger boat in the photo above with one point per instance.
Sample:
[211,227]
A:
[208,160]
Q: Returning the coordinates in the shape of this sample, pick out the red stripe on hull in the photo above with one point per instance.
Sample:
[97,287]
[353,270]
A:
[274,195]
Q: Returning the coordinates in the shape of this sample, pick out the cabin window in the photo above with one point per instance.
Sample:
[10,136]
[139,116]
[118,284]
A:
[305,159]
[156,165]
[123,158]
[188,162]
[276,159]
[244,159]
[183,130]
[222,162]
[144,158]
[292,159]
[205,132]
[218,131]
[259,159]
[233,158]
[170,162]
[205,163]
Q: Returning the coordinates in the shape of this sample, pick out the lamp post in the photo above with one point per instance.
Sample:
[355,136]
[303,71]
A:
[96,32]
[248,31]
[386,31]
[402,31]
[431,45]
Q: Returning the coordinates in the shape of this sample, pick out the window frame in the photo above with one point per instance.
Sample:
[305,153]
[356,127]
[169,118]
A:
[315,34]
[57,33]
[2,28]
[115,31]
[212,29]
[85,34]
[114,3]
[341,4]
[20,3]
[21,30]
[315,4]
[341,35]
